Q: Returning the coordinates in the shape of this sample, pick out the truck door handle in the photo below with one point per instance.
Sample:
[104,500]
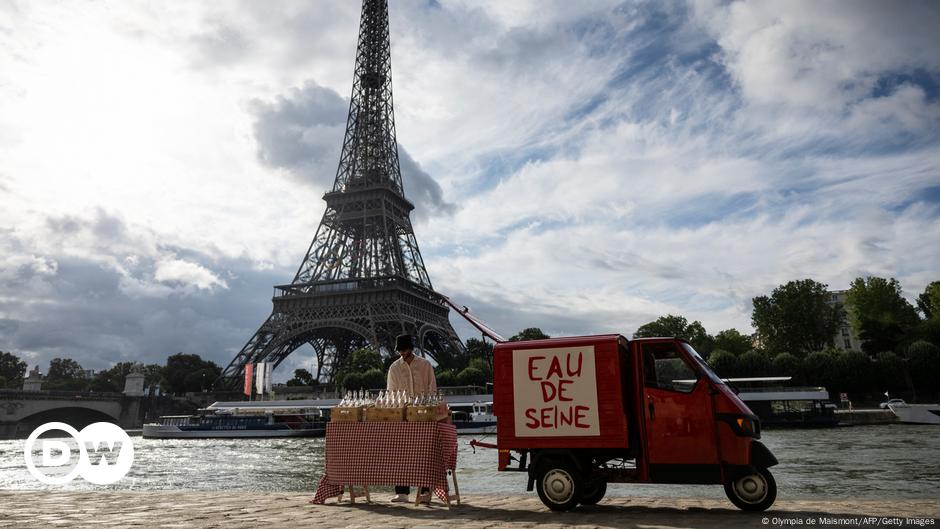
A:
[652,410]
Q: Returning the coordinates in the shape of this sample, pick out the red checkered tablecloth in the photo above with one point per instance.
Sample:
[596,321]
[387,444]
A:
[416,454]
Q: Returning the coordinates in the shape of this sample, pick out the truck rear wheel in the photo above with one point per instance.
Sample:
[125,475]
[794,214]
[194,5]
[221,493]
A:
[593,492]
[754,492]
[559,484]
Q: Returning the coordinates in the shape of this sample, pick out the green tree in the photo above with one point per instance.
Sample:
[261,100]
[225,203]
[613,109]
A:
[64,369]
[786,365]
[817,368]
[65,374]
[876,307]
[153,376]
[852,371]
[302,377]
[928,302]
[733,341]
[880,336]
[446,377]
[531,333]
[12,369]
[926,330]
[201,379]
[113,378]
[353,381]
[179,370]
[471,376]
[723,363]
[890,372]
[924,362]
[796,318]
[753,364]
[374,379]
[102,383]
[674,326]
[360,361]
[479,349]
[483,367]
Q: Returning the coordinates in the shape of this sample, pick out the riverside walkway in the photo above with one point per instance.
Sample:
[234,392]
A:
[197,509]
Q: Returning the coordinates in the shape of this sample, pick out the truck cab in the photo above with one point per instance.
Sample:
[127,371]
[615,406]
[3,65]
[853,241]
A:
[578,413]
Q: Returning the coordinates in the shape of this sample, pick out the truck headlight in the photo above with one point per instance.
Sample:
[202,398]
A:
[742,425]
[748,426]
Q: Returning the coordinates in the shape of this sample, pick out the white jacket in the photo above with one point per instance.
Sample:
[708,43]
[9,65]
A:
[415,378]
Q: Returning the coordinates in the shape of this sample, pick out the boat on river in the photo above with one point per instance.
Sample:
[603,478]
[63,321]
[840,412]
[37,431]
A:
[254,421]
[779,405]
[472,414]
[479,420]
[916,413]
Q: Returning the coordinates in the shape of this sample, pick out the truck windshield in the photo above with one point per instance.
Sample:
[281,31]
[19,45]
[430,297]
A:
[703,365]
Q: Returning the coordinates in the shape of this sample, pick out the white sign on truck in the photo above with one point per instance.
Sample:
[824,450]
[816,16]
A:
[555,392]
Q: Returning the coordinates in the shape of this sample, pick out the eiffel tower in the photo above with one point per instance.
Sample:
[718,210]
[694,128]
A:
[362,281]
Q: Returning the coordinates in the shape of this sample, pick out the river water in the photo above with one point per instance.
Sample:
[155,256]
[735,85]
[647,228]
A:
[890,461]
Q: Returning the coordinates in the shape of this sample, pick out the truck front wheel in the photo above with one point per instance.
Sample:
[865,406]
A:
[559,484]
[754,492]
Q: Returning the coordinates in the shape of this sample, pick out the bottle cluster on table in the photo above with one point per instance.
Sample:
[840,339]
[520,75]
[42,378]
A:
[387,406]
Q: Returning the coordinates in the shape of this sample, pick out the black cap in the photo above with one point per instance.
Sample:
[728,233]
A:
[404,342]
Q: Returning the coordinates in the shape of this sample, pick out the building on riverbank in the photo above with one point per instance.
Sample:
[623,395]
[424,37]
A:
[846,337]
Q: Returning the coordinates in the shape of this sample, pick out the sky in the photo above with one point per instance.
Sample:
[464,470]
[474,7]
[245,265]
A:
[582,167]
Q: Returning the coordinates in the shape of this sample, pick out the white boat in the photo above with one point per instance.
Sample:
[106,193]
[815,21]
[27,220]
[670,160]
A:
[230,422]
[916,413]
[479,421]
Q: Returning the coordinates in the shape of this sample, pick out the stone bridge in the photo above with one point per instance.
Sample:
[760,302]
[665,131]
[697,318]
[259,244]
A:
[22,411]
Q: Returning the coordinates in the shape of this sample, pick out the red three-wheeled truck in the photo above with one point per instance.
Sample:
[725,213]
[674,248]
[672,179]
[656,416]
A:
[578,413]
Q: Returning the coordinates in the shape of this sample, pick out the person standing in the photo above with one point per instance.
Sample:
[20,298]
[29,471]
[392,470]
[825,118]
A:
[413,375]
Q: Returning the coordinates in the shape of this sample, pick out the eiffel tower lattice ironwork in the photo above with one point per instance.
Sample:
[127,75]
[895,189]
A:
[363,280]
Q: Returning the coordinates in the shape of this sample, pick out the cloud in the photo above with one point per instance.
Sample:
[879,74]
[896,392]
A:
[820,55]
[93,302]
[187,273]
[302,133]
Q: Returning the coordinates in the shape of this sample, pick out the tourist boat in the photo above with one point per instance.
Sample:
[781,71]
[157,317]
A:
[247,420]
[788,406]
[916,413]
[480,420]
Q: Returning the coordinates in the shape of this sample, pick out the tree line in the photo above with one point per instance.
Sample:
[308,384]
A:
[180,374]
[796,328]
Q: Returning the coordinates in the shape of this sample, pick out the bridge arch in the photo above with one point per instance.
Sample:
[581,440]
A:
[75,416]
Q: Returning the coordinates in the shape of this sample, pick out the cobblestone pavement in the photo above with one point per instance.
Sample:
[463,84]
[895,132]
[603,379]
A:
[191,510]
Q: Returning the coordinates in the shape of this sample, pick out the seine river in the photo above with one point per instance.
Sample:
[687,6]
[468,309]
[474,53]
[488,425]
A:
[891,461]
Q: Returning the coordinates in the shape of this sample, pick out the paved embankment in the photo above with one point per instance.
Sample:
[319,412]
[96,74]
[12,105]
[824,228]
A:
[191,510]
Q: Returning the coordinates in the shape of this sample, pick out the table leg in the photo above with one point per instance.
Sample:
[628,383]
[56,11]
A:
[339,499]
[453,474]
[368,498]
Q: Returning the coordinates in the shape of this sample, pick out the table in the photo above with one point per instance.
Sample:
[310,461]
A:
[417,454]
